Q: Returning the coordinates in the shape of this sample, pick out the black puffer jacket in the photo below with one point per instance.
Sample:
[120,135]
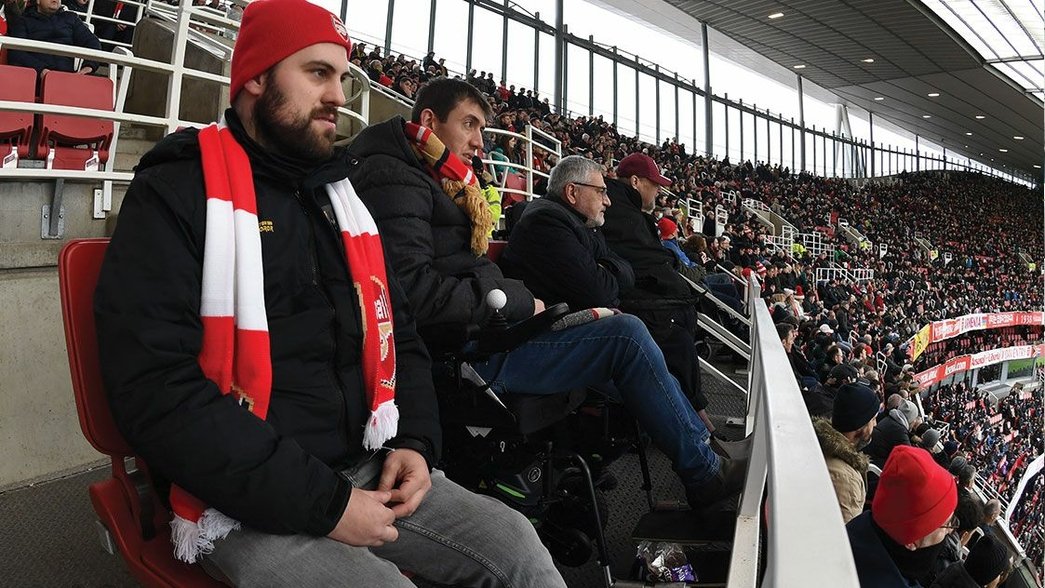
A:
[888,433]
[632,234]
[560,259]
[426,236]
[277,475]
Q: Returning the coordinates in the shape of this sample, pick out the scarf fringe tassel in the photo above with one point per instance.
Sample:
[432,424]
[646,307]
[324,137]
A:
[191,540]
[384,424]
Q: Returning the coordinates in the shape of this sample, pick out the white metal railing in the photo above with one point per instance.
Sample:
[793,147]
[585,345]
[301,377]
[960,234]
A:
[826,274]
[806,543]
[753,204]
[721,219]
[815,243]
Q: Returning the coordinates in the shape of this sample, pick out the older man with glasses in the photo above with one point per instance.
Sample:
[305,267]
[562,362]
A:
[559,253]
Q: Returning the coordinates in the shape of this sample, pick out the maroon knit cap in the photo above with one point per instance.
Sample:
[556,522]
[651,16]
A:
[272,30]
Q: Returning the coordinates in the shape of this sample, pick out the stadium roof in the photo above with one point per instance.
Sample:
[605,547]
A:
[955,72]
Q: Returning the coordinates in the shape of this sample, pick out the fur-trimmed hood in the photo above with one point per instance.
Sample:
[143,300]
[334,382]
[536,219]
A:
[834,444]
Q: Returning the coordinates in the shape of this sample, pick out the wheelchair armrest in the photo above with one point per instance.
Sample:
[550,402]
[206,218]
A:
[447,338]
[500,341]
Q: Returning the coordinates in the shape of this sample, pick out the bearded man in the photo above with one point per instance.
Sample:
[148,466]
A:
[841,440]
[231,313]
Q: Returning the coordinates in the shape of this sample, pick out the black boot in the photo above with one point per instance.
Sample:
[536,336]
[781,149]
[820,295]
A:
[727,482]
[732,449]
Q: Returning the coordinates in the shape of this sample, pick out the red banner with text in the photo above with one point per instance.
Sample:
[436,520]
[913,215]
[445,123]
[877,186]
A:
[946,329]
[965,363]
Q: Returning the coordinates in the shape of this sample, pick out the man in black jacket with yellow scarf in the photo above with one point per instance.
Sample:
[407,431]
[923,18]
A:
[412,176]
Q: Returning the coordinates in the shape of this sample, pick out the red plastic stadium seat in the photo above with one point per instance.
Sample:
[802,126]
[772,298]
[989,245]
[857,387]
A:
[17,84]
[3,31]
[75,138]
[494,252]
[125,503]
[515,181]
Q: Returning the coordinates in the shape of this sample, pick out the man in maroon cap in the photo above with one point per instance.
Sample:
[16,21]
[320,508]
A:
[900,538]
[231,313]
[660,296]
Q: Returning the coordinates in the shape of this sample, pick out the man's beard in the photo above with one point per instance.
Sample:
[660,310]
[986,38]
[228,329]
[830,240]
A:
[295,138]
[862,442]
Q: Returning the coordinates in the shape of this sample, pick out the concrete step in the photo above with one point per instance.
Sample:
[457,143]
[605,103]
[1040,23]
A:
[129,151]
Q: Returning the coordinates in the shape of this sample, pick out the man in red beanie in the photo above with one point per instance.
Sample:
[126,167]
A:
[231,310]
[902,535]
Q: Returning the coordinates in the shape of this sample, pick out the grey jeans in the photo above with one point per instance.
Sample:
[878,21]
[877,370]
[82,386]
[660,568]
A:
[455,537]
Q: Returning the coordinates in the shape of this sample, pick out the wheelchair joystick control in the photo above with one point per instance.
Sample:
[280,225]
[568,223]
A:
[496,299]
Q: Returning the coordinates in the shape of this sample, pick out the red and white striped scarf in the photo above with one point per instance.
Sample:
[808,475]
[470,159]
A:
[235,353]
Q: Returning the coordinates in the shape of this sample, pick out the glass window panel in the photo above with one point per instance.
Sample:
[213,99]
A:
[1030,14]
[451,38]
[626,100]
[410,28]
[686,136]
[520,55]
[667,110]
[1007,28]
[587,18]
[577,81]
[647,106]
[718,129]
[748,145]
[699,114]
[741,83]
[546,74]
[733,130]
[603,87]
[366,22]
[487,40]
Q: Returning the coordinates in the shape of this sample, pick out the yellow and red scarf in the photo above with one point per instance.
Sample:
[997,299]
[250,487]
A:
[457,180]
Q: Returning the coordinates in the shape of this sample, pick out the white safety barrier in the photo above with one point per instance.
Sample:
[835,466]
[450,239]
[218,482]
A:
[807,544]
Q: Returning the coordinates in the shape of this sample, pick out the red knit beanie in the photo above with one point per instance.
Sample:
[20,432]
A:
[272,30]
[667,228]
[915,496]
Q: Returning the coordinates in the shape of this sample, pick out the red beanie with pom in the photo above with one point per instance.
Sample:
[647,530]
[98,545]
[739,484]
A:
[272,30]
[915,496]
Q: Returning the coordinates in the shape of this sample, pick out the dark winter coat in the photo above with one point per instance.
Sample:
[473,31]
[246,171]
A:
[888,433]
[278,475]
[955,576]
[873,564]
[632,234]
[64,27]
[560,259]
[426,235]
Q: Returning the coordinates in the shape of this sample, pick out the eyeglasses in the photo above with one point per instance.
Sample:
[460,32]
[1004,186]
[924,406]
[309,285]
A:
[953,523]
[600,189]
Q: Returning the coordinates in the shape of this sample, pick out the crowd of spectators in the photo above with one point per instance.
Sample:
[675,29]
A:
[1000,440]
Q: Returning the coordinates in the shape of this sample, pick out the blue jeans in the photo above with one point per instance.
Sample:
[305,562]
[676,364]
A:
[454,537]
[621,350]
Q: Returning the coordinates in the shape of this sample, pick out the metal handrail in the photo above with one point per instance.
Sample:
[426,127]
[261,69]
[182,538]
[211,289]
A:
[799,498]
